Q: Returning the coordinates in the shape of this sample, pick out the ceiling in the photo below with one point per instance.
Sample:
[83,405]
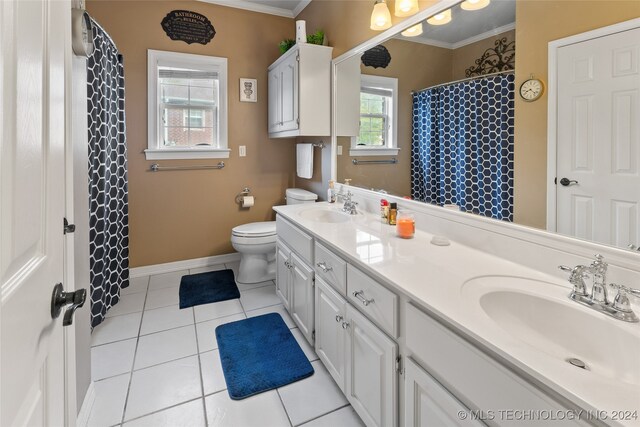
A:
[286,8]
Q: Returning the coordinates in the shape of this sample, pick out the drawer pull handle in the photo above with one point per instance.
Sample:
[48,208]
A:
[363,300]
[345,325]
[323,266]
[339,318]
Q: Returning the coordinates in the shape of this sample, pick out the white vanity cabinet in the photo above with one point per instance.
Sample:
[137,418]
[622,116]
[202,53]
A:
[330,333]
[299,92]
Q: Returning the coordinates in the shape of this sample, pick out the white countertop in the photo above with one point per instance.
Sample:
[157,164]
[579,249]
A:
[435,277]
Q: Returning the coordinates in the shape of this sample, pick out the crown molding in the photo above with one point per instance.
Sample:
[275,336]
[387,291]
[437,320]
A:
[461,43]
[300,7]
[257,7]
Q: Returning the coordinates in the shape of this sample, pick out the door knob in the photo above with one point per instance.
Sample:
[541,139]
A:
[567,182]
[61,299]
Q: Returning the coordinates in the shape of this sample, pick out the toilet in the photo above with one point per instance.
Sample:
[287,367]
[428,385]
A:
[256,243]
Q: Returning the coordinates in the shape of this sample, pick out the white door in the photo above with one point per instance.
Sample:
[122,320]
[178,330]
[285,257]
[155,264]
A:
[283,274]
[33,38]
[301,298]
[330,334]
[289,84]
[598,134]
[371,377]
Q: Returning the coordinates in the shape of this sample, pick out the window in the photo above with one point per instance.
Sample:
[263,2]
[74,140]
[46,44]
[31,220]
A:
[378,117]
[187,111]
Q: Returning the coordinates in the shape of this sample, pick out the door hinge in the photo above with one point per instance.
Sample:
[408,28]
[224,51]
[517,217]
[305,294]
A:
[399,368]
[298,57]
[313,335]
[298,121]
[67,228]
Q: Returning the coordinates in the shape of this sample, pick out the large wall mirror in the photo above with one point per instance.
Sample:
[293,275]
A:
[526,112]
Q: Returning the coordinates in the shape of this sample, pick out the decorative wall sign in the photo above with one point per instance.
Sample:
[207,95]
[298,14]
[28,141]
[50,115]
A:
[248,90]
[377,57]
[500,58]
[189,27]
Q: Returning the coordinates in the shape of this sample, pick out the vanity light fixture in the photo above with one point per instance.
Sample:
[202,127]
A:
[474,4]
[441,18]
[414,31]
[406,8]
[380,17]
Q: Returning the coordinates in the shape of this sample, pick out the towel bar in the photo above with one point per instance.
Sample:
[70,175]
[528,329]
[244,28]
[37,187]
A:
[375,162]
[156,167]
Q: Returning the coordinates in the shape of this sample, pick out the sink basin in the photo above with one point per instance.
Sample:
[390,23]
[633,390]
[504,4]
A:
[539,315]
[324,215]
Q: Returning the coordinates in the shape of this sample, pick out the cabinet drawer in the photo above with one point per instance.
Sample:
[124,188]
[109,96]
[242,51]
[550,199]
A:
[473,377]
[379,303]
[331,268]
[299,241]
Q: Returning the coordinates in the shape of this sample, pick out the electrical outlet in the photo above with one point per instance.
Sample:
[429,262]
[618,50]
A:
[339,150]
[243,151]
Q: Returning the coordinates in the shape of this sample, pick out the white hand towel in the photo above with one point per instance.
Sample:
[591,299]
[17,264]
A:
[304,158]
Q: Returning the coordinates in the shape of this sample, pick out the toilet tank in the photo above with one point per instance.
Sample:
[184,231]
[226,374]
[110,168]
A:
[296,196]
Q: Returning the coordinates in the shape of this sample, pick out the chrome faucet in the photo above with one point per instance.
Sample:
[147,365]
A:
[598,299]
[349,205]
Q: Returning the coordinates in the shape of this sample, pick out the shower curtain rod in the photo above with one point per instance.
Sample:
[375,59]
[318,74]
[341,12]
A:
[463,80]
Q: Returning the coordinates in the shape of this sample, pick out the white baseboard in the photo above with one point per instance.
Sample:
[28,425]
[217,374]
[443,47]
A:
[87,404]
[168,267]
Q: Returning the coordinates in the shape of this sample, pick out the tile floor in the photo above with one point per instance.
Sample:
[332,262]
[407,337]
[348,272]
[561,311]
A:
[156,365]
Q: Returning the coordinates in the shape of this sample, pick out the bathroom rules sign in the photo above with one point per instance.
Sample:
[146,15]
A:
[189,27]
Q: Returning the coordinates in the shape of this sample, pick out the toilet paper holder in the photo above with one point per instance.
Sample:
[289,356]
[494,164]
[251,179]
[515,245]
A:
[241,195]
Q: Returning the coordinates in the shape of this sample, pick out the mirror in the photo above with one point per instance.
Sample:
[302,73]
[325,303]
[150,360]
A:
[439,117]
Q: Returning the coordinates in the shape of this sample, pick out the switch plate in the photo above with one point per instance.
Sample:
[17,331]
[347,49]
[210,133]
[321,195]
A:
[243,150]
[339,150]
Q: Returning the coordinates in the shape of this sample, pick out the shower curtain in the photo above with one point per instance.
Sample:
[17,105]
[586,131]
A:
[462,146]
[108,193]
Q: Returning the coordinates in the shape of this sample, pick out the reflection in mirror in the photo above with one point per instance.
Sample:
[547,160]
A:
[436,124]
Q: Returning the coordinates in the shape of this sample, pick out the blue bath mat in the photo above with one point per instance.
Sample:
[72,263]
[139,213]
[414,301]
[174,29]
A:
[205,288]
[259,354]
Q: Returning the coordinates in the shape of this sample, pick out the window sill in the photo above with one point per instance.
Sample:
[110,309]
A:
[187,153]
[373,152]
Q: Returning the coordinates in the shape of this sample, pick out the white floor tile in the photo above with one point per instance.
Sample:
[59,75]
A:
[160,319]
[207,331]
[304,345]
[248,286]
[190,414]
[166,346]
[112,359]
[206,269]
[163,385]
[212,375]
[345,417]
[131,303]
[262,410]
[166,280]
[116,329]
[274,309]
[109,404]
[162,297]
[217,309]
[137,284]
[314,396]
[259,298]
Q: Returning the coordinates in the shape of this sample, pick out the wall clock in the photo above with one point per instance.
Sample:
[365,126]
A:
[531,89]
[82,33]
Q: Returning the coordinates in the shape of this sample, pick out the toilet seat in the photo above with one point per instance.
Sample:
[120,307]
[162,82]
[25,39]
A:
[255,230]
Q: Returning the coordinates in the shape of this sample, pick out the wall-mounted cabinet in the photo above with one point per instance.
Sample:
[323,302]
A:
[300,92]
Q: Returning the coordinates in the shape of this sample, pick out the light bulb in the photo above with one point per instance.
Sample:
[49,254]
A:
[414,31]
[441,18]
[474,4]
[380,17]
[406,8]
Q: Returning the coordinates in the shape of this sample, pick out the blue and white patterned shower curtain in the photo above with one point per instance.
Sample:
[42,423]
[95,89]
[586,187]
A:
[108,192]
[462,146]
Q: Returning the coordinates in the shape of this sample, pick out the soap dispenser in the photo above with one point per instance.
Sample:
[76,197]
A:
[331,192]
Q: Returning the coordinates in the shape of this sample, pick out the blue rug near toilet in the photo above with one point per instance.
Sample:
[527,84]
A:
[260,354]
[205,288]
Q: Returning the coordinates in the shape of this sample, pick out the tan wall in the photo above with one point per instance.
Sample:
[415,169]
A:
[464,57]
[189,214]
[416,66]
[538,23]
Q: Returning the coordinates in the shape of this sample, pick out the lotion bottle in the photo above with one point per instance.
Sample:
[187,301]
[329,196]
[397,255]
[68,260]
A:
[331,192]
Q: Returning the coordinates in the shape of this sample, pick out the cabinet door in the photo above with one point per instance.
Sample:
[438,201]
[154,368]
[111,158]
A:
[371,378]
[330,335]
[283,275]
[301,297]
[274,99]
[289,94]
